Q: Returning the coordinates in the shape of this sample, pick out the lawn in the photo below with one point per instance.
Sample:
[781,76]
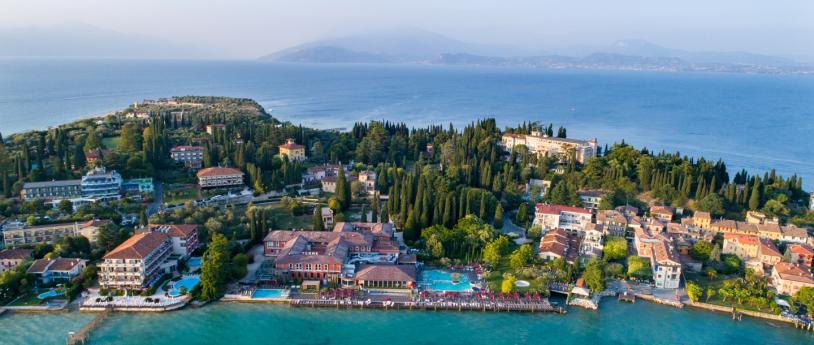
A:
[704,282]
[180,194]
[29,299]
[111,143]
[285,220]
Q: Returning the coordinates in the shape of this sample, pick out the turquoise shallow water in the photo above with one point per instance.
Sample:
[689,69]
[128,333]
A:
[236,324]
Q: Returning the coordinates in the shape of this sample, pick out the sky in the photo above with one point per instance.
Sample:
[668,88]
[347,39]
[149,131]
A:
[251,28]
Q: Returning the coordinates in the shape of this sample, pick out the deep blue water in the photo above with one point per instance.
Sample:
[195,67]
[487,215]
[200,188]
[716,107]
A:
[751,121]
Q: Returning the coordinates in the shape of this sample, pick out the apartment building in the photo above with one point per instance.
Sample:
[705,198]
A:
[137,263]
[573,219]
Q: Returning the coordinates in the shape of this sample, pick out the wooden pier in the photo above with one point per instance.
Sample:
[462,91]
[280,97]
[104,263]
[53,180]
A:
[499,306]
[83,335]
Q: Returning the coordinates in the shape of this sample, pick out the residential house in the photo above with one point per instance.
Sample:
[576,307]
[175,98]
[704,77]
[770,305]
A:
[592,239]
[220,177]
[801,254]
[56,270]
[788,278]
[757,217]
[96,155]
[591,198]
[368,181]
[702,220]
[137,263]
[190,156]
[794,234]
[11,258]
[745,247]
[663,213]
[628,211]
[573,219]
[317,173]
[327,217]
[665,264]
[769,254]
[614,222]
[211,129]
[559,243]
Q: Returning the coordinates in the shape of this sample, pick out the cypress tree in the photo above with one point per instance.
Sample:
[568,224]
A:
[319,225]
[498,222]
[754,199]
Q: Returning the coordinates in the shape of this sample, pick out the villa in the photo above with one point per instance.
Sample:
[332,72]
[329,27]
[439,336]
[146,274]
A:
[591,244]
[11,258]
[569,218]
[295,152]
[368,181]
[788,278]
[745,247]
[137,263]
[615,222]
[59,269]
[317,173]
[666,265]
[327,217]
[663,213]
[541,144]
[219,177]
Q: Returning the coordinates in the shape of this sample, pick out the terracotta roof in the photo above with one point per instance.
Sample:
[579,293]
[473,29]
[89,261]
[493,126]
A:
[557,209]
[397,273]
[767,248]
[793,272]
[555,241]
[794,231]
[95,222]
[138,246]
[662,210]
[613,216]
[742,239]
[218,171]
[16,254]
[664,253]
[174,230]
[55,265]
[769,228]
[291,146]
[702,215]
[803,249]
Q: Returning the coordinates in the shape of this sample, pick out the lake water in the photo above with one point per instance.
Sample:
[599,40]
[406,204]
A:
[253,324]
[751,121]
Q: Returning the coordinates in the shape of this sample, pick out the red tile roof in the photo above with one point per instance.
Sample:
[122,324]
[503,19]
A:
[174,230]
[138,246]
[218,171]
[793,272]
[557,209]
[16,254]
[390,273]
[742,239]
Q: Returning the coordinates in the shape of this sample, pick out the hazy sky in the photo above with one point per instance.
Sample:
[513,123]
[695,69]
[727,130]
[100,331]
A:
[248,28]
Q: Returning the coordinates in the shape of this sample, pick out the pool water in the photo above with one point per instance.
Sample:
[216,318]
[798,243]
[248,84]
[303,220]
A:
[196,261]
[440,280]
[50,293]
[270,293]
[187,283]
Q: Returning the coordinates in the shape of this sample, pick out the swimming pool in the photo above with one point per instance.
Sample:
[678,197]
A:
[50,293]
[194,262]
[270,293]
[187,283]
[440,280]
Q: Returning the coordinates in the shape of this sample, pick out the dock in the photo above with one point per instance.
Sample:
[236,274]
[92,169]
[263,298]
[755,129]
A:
[627,297]
[83,335]
[507,306]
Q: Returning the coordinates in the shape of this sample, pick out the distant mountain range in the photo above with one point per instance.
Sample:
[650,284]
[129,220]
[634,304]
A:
[81,40]
[421,47]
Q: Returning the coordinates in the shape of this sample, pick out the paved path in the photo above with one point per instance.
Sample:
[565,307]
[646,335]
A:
[257,253]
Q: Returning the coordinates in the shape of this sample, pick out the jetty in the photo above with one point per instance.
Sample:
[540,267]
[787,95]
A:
[504,306]
[83,335]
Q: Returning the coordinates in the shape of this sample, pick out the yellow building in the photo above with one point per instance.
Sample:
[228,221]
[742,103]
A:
[294,152]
